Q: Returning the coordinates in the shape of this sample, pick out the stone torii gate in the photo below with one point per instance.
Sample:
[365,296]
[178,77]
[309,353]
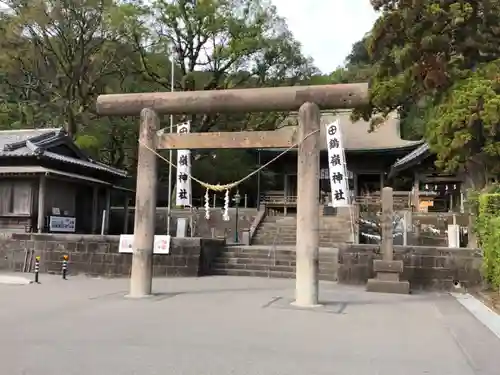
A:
[307,99]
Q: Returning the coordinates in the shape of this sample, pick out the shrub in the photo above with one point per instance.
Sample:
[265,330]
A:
[487,227]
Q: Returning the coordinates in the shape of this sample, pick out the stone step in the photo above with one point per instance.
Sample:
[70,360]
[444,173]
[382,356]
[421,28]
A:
[294,230]
[253,273]
[265,251]
[273,260]
[321,224]
[324,226]
[327,244]
[324,268]
[293,235]
[339,238]
[268,274]
[256,267]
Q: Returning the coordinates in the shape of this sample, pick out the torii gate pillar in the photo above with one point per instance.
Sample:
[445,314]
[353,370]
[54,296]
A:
[307,261]
[307,99]
[145,207]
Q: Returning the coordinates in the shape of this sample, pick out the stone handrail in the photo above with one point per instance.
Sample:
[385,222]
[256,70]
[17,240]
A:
[261,214]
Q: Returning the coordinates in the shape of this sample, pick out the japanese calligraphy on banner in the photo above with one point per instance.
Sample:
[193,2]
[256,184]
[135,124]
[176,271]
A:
[337,166]
[183,197]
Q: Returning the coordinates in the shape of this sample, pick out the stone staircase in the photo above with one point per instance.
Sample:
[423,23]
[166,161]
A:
[268,261]
[282,230]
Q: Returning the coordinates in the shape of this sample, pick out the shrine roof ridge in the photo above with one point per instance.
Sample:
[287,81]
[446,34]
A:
[358,135]
[21,143]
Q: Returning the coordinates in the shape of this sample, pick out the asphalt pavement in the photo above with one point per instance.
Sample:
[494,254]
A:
[235,325]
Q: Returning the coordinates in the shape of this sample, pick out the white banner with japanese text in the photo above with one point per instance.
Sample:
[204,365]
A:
[183,196]
[337,166]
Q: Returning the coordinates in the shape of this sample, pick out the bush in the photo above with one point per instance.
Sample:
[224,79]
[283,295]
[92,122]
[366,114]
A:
[488,230]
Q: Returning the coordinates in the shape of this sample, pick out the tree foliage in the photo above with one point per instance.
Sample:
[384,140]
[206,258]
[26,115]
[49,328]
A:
[433,61]
[221,44]
[57,55]
[464,127]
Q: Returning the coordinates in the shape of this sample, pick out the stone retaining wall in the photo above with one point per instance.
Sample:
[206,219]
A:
[424,267]
[98,255]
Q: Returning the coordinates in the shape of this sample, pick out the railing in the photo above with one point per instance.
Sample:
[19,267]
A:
[278,199]
[400,201]
[272,250]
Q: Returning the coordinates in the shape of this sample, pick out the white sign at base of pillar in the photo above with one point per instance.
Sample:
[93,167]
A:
[337,166]
[453,235]
[182,227]
[183,196]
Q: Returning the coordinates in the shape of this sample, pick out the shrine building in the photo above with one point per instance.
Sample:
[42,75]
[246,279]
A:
[375,158]
[49,185]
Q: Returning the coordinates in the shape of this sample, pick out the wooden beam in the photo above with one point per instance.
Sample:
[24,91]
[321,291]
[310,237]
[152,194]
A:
[42,187]
[236,100]
[282,138]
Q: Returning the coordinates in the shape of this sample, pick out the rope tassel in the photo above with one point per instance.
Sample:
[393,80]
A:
[207,205]
[225,215]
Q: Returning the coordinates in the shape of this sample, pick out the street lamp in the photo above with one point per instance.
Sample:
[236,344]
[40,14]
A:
[236,199]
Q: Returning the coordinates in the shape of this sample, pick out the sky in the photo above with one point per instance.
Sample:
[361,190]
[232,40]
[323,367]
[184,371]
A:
[327,28]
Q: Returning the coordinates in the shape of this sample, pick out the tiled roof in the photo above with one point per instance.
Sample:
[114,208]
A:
[33,142]
[414,157]
[357,135]
[13,137]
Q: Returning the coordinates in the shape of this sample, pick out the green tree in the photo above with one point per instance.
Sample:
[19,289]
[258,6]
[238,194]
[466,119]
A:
[424,55]
[221,44]
[57,56]
[65,49]
[464,127]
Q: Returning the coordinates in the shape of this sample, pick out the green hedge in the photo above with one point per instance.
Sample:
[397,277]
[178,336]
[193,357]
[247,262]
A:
[488,230]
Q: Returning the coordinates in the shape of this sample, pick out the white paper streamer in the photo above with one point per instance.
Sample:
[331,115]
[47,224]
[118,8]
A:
[225,215]
[207,205]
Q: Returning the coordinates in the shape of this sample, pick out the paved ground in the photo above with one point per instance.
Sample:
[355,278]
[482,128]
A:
[241,326]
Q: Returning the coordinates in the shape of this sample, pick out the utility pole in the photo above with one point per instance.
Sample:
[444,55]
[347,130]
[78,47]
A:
[170,153]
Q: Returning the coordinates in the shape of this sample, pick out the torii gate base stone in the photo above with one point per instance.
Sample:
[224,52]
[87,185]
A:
[307,99]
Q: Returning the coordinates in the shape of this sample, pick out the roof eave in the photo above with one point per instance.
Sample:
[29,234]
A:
[421,153]
[95,166]
[383,149]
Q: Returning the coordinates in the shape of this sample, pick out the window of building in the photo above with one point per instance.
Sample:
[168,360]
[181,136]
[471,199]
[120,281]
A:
[15,197]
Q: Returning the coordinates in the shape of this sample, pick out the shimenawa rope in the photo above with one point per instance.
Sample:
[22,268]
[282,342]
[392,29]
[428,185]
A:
[218,187]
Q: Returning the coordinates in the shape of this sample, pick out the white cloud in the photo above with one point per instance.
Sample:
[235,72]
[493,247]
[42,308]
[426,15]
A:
[327,28]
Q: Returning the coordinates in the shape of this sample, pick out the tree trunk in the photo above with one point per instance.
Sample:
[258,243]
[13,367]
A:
[476,175]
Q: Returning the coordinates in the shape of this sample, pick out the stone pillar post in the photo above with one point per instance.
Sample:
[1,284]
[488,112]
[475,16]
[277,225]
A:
[108,210]
[125,214]
[388,270]
[42,183]
[95,208]
[386,245]
[306,291]
[145,207]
